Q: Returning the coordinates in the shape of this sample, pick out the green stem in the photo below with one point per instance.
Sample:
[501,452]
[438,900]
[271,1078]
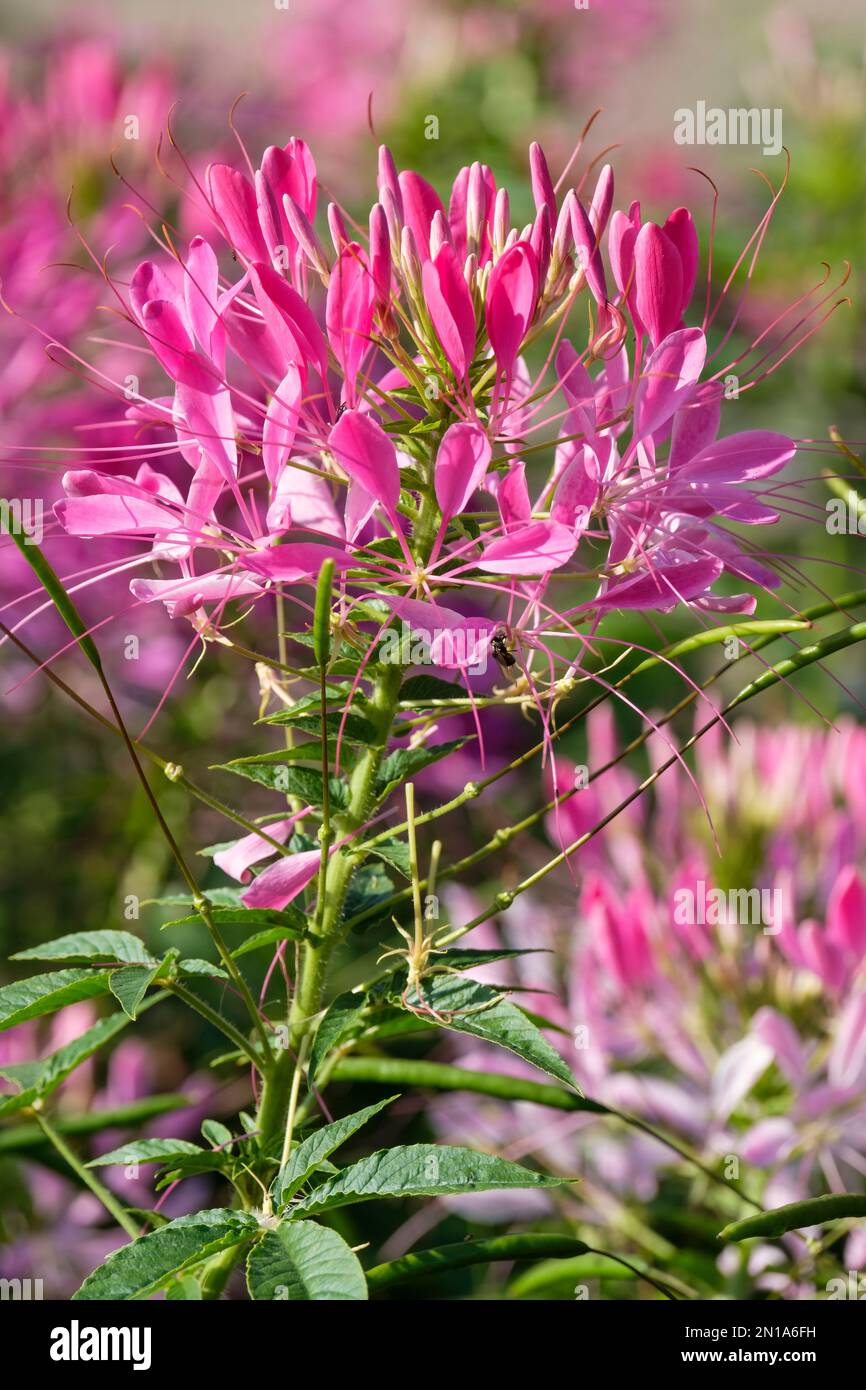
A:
[319,947]
[108,1200]
[18,1137]
[218,1021]
[389,1071]
[473,1252]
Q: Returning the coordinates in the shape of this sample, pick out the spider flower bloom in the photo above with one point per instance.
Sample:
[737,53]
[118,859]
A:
[363,403]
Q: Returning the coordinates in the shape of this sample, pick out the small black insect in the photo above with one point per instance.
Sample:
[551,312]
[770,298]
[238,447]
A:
[499,647]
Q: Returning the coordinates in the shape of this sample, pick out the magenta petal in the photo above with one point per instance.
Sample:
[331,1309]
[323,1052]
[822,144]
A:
[658,282]
[349,313]
[511,297]
[251,849]
[848,1056]
[668,379]
[421,202]
[538,548]
[366,454]
[846,913]
[183,596]
[234,202]
[740,458]
[451,311]
[295,561]
[680,230]
[461,463]
[281,882]
[281,422]
[696,425]
[588,252]
[111,514]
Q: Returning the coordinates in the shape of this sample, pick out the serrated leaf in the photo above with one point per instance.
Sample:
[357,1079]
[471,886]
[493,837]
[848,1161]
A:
[130,984]
[370,885]
[146,1151]
[304,1261]
[290,920]
[311,1152]
[421,1170]
[420,689]
[339,1021]
[145,1265]
[469,960]
[193,966]
[407,762]
[45,994]
[395,853]
[466,1006]
[355,728]
[303,782]
[86,946]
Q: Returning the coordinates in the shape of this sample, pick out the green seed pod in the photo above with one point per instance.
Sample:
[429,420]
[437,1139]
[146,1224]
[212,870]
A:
[322,614]
[793,1217]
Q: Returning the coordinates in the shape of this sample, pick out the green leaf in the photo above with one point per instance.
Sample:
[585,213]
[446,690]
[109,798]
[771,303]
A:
[340,1020]
[290,920]
[147,1264]
[355,728]
[311,1152]
[193,966]
[45,994]
[302,1260]
[53,586]
[466,1006]
[421,1170]
[407,762]
[795,1215]
[86,946]
[370,885]
[421,689]
[216,1133]
[395,853]
[303,782]
[146,1151]
[39,1079]
[267,938]
[130,984]
[470,960]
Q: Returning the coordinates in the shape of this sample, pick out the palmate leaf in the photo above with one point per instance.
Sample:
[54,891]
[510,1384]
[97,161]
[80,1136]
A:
[146,1151]
[312,1151]
[41,1078]
[45,994]
[420,1170]
[91,946]
[466,1006]
[302,1260]
[147,1264]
